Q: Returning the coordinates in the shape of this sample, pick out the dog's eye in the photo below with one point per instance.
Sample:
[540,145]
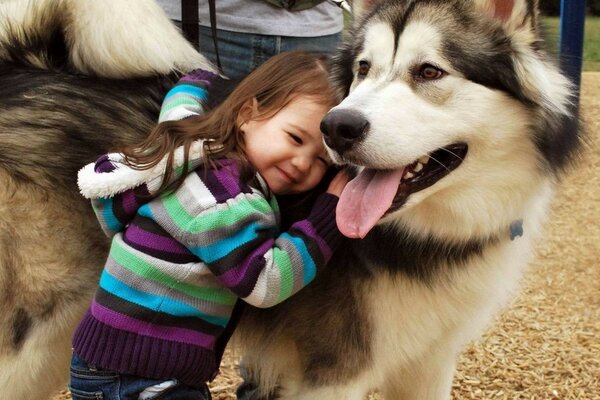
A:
[429,72]
[363,68]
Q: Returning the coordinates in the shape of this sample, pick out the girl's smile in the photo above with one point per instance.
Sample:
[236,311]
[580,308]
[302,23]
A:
[287,148]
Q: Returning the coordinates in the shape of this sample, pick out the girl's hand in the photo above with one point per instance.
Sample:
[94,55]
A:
[338,183]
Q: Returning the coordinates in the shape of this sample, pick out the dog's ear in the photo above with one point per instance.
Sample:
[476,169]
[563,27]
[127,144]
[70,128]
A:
[517,16]
[362,7]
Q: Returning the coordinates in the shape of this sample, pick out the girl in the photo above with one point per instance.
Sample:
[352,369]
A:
[195,227]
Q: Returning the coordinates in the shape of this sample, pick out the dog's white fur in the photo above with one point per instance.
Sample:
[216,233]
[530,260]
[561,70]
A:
[112,38]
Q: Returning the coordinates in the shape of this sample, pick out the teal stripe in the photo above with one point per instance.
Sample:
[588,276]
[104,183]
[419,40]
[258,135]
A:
[310,268]
[187,103]
[108,217]
[149,271]
[225,246]
[146,211]
[190,90]
[153,302]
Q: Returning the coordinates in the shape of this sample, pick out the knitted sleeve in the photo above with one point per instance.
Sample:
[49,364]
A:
[114,212]
[184,100]
[187,97]
[238,238]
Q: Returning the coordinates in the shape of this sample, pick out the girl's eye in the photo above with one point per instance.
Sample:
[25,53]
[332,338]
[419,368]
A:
[295,138]
[428,72]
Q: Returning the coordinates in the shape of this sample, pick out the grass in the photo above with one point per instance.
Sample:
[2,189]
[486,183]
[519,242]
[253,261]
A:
[591,46]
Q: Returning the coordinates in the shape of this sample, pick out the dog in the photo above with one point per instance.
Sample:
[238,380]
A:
[65,100]
[459,122]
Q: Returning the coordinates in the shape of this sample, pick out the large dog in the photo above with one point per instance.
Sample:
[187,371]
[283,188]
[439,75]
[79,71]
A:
[462,127]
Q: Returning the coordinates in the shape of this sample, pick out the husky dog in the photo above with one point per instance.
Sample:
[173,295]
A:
[462,126]
[459,122]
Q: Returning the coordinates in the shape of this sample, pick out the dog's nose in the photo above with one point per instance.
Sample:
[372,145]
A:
[343,128]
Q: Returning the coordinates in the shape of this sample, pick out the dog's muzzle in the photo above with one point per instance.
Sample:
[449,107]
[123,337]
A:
[343,129]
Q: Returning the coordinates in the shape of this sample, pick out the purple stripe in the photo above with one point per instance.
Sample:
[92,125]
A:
[234,276]
[212,183]
[103,164]
[129,202]
[137,235]
[228,177]
[307,228]
[223,180]
[199,75]
[125,323]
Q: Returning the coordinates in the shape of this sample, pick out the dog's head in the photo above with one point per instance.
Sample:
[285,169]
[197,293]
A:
[451,105]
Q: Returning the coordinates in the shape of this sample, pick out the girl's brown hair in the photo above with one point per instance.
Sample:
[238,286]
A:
[274,84]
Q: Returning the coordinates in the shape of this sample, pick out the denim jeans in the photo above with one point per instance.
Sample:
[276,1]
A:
[240,53]
[88,382]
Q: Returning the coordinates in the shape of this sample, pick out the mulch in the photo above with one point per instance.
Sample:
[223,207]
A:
[546,345]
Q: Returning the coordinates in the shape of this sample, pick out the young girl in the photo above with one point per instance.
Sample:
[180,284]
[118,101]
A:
[195,227]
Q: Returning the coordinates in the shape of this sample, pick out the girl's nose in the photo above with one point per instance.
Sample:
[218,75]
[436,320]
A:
[301,163]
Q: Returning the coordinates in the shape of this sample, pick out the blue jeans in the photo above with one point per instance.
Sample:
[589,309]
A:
[240,53]
[88,382]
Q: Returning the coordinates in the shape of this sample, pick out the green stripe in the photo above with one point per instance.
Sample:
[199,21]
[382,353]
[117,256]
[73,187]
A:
[274,204]
[179,100]
[228,215]
[146,270]
[283,262]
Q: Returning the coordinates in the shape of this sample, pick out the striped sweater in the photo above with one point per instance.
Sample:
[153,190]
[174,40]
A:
[168,295]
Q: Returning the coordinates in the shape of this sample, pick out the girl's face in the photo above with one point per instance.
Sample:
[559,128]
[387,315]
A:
[287,148]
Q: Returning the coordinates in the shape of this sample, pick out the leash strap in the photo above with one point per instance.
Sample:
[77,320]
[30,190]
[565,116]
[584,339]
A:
[213,27]
[189,24]
[189,21]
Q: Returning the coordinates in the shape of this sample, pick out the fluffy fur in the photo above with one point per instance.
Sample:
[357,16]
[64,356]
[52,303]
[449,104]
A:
[393,310]
[61,105]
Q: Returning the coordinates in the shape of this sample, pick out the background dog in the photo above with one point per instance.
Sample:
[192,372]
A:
[63,102]
[462,126]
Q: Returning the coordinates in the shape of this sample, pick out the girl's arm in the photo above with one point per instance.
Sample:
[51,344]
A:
[188,97]
[114,209]
[238,238]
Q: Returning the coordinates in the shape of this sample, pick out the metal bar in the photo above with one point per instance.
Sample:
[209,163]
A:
[572,24]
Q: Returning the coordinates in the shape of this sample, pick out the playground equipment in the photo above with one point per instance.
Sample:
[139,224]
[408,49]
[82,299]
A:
[572,22]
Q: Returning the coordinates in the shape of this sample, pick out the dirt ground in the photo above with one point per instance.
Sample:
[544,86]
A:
[546,345]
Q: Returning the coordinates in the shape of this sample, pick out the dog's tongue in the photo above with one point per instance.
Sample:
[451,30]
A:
[365,199]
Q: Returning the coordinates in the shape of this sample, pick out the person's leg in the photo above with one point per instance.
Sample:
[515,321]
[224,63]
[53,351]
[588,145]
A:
[321,44]
[240,53]
[179,391]
[89,382]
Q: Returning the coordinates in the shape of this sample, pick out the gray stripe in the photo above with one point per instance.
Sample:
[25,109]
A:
[191,205]
[268,285]
[158,289]
[296,259]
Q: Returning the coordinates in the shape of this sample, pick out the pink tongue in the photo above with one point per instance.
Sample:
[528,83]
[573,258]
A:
[365,199]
